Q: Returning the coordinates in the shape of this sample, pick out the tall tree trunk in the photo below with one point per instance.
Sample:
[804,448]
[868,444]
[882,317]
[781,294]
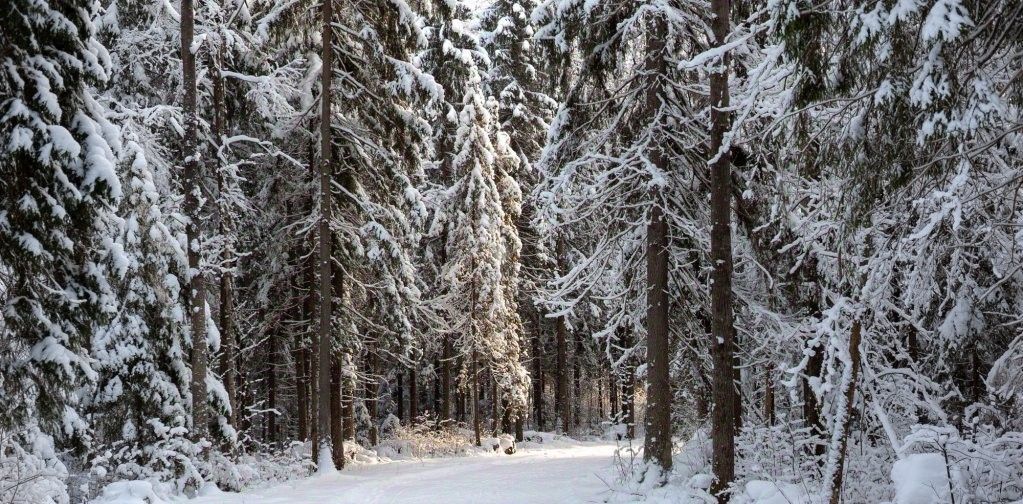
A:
[657,444]
[315,432]
[228,359]
[811,410]
[769,415]
[400,390]
[227,336]
[196,282]
[372,395]
[460,404]
[841,434]
[538,382]
[348,409]
[301,389]
[326,349]
[563,403]
[445,367]
[612,391]
[629,406]
[658,389]
[506,417]
[413,395]
[722,317]
[336,414]
[476,424]
[577,363]
[495,419]
[243,395]
[438,395]
[271,389]
[737,384]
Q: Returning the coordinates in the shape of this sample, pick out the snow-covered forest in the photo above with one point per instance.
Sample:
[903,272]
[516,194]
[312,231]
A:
[770,250]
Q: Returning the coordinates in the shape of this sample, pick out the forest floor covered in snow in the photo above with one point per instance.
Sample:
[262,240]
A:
[534,475]
[565,471]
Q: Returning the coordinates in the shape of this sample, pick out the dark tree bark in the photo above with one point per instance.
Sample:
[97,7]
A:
[629,405]
[400,390]
[271,389]
[336,424]
[243,394]
[315,432]
[301,389]
[413,396]
[494,414]
[577,364]
[228,371]
[438,396]
[506,417]
[348,409]
[658,410]
[562,401]
[811,410]
[845,416]
[196,282]
[372,395]
[657,444]
[476,423]
[445,367]
[769,415]
[538,377]
[722,317]
[460,404]
[612,391]
[325,345]
[228,360]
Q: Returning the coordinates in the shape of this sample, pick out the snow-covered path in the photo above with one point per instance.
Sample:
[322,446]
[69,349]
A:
[531,476]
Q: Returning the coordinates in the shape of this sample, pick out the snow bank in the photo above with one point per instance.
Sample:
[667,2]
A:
[537,439]
[131,492]
[773,492]
[921,478]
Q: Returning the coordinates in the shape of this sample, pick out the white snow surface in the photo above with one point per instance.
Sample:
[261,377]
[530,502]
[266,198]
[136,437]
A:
[920,478]
[533,475]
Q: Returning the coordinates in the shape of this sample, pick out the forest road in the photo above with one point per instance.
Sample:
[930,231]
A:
[563,475]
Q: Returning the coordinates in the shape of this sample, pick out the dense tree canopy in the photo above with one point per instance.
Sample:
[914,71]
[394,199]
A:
[778,240]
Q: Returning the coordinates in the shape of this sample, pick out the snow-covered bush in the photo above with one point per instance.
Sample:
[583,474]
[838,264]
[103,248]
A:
[941,464]
[427,440]
[31,473]
[688,482]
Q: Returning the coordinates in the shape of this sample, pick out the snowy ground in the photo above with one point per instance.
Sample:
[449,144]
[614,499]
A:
[531,476]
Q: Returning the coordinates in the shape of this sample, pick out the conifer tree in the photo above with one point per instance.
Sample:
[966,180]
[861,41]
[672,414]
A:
[56,197]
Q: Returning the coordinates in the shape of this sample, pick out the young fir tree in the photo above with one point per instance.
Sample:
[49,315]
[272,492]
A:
[519,78]
[480,242]
[140,404]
